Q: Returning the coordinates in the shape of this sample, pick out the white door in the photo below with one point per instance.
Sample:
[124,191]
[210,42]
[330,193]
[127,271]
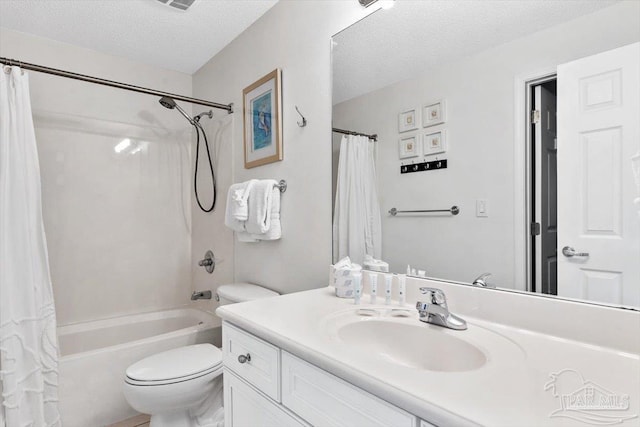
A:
[598,137]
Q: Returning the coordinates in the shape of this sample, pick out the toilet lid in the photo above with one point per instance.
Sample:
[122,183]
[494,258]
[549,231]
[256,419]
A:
[240,292]
[177,363]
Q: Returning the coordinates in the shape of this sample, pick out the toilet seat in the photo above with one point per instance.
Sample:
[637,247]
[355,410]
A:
[176,365]
[215,371]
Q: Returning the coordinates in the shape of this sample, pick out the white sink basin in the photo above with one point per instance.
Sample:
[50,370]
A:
[415,346]
[396,336]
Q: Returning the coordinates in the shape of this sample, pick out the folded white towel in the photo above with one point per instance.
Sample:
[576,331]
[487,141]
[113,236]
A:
[260,203]
[275,229]
[237,210]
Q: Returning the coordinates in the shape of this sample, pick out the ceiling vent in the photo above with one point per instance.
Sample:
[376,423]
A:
[178,4]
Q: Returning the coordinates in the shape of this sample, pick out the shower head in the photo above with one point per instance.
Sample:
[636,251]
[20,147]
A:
[170,103]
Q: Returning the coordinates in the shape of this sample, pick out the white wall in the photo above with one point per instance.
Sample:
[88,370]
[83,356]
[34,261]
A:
[295,37]
[480,96]
[118,225]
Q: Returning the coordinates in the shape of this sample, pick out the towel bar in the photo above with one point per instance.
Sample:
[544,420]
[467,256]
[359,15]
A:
[454,210]
[282,185]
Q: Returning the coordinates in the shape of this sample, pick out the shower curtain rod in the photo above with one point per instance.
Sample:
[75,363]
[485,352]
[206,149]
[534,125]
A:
[111,83]
[373,137]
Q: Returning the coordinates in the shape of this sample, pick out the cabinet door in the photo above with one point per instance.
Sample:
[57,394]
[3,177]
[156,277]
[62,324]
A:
[325,400]
[246,407]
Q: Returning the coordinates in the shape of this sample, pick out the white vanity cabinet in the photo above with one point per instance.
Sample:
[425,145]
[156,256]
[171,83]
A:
[244,406]
[252,382]
[323,399]
[266,386]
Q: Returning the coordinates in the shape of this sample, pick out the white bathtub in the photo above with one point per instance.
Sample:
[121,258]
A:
[95,355]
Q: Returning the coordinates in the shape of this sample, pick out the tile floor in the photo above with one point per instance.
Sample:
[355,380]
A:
[141,420]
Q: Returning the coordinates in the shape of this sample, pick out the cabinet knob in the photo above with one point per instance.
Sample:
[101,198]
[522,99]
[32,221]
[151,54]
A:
[244,359]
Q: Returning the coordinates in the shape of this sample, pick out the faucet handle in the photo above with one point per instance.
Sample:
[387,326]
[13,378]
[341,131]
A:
[481,280]
[436,296]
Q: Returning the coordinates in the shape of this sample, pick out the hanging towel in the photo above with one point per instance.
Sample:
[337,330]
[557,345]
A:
[237,210]
[260,204]
[275,229]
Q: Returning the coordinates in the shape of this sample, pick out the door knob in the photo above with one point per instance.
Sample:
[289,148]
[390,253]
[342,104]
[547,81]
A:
[569,252]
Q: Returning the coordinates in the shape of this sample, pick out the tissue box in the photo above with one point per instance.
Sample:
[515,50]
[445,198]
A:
[342,280]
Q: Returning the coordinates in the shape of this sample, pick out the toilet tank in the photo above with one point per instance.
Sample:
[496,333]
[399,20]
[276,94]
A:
[241,292]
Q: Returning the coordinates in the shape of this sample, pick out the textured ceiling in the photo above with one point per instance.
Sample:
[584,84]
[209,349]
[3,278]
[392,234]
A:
[142,30]
[402,42]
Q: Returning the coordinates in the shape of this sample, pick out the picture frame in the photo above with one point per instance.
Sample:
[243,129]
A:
[434,113]
[408,147]
[262,118]
[434,142]
[408,120]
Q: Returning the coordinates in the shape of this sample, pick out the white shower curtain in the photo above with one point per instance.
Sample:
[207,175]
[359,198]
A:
[356,220]
[28,344]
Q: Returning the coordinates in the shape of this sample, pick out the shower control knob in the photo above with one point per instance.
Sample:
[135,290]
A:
[209,262]
[244,359]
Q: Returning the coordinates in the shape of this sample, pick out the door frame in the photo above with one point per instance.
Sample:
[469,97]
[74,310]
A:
[523,176]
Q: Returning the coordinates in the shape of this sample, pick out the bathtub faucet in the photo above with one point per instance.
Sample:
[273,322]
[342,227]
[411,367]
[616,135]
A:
[200,295]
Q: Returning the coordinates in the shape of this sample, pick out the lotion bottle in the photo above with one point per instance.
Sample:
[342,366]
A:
[357,287]
[373,282]
[387,288]
[402,289]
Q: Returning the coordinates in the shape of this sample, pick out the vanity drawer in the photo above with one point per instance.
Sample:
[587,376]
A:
[322,399]
[253,359]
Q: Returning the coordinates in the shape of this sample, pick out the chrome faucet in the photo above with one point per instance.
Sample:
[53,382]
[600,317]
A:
[200,295]
[481,281]
[435,310]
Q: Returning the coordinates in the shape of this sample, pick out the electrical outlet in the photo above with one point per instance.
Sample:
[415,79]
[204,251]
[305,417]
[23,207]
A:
[482,208]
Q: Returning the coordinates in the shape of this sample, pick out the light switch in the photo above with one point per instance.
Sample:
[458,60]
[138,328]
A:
[482,208]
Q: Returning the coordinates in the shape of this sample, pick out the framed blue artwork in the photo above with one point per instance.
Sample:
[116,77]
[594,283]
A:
[262,102]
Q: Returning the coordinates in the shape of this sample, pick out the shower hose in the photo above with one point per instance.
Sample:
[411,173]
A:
[195,173]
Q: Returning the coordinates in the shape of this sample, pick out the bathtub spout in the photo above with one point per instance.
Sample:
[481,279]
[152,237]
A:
[200,295]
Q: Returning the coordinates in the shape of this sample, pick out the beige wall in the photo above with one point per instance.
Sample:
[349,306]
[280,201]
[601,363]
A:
[117,224]
[295,37]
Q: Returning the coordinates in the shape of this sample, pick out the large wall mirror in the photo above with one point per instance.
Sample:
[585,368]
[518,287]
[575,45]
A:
[523,115]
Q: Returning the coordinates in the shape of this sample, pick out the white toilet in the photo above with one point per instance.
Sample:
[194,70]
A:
[182,387]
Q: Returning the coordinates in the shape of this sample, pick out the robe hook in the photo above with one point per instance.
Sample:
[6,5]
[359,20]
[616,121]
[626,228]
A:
[303,123]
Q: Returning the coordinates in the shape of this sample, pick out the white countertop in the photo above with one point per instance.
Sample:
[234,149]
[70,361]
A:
[509,390]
